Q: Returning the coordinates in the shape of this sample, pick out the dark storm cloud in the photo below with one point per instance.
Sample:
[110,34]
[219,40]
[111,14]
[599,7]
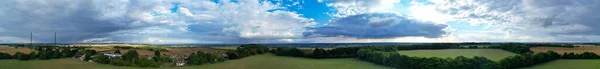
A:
[377,25]
[73,21]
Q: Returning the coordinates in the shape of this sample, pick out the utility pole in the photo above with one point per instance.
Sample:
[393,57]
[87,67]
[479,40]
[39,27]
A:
[31,39]
[55,39]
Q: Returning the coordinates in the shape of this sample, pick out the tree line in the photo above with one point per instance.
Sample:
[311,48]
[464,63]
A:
[247,50]
[400,61]
[47,52]
[132,58]
[350,52]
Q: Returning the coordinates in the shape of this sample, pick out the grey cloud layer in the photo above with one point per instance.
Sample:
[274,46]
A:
[144,21]
[377,25]
[569,17]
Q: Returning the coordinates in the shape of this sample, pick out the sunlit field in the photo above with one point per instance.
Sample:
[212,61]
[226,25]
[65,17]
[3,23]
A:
[492,54]
[562,50]
[266,61]
[12,50]
[569,64]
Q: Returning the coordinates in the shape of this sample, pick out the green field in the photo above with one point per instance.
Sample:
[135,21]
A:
[266,61]
[226,47]
[569,64]
[492,54]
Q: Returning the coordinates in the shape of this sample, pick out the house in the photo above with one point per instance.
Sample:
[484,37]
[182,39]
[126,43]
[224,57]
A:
[180,60]
[112,55]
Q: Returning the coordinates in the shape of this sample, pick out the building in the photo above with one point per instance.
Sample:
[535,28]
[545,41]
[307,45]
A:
[112,55]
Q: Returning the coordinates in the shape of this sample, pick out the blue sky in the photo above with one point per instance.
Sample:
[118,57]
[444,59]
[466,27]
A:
[299,21]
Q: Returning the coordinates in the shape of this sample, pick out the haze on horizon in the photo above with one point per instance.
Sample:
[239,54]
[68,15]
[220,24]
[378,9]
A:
[298,21]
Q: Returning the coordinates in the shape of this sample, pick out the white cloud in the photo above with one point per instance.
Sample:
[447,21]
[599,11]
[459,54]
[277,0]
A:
[353,7]
[548,17]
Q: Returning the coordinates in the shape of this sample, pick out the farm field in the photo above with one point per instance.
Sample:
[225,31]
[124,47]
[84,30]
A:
[226,47]
[265,61]
[172,51]
[11,50]
[569,64]
[492,54]
[561,50]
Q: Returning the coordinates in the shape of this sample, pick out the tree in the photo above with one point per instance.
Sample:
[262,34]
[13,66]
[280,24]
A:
[102,59]
[117,52]
[118,62]
[130,55]
[56,54]
[318,53]
[156,53]
[5,55]
[21,56]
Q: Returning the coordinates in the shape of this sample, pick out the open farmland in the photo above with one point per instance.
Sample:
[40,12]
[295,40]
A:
[190,50]
[226,47]
[569,64]
[265,61]
[173,51]
[562,50]
[12,50]
[492,54]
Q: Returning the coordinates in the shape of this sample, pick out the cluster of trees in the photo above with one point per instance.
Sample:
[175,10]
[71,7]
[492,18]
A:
[200,58]
[513,47]
[287,51]
[584,55]
[400,61]
[528,60]
[5,55]
[429,46]
[345,52]
[247,50]
[132,58]
[348,52]
[44,53]
[549,45]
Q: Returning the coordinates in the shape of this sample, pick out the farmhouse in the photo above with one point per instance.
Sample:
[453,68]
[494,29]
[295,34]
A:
[112,55]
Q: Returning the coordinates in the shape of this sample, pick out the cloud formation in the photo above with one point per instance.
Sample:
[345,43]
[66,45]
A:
[377,25]
[142,21]
[557,16]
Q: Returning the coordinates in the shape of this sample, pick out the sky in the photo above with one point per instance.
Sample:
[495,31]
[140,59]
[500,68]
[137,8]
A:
[298,21]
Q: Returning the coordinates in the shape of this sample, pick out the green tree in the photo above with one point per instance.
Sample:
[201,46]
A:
[102,59]
[117,52]
[156,53]
[130,55]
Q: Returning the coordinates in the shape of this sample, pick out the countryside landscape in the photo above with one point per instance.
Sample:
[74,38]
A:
[299,34]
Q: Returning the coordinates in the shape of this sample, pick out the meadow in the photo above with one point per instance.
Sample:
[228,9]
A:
[265,61]
[569,64]
[492,54]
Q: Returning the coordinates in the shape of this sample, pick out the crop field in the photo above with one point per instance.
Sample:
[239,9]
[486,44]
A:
[190,50]
[12,50]
[266,61]
[226,47]
[492,54]
[561,50]
[569,64]
[172,51]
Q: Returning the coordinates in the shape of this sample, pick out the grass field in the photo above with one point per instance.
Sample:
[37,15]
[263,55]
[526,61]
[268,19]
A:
[568,64]
[492,54]
[266,61]
[226,47]
[561,50]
